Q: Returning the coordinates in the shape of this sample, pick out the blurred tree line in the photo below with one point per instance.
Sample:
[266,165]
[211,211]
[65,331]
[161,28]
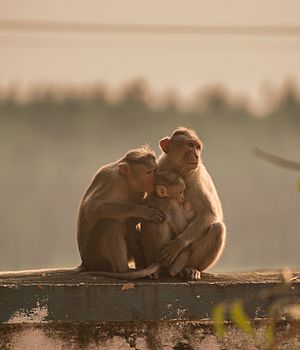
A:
[52,143]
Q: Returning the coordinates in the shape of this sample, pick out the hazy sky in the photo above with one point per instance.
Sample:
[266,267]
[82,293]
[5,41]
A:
[157,11]
[166,60]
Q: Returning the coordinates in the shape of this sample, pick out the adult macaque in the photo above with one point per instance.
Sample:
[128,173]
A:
[106,236]
[114,197]
[105,240]
[205,235]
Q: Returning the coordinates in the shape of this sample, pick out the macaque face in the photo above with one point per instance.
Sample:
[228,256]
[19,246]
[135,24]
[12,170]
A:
[176,192]
[183,151]
[141,177]
[190,149]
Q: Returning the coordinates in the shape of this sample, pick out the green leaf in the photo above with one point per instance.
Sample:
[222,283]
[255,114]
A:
[218,316]
[269,332]
[240,318]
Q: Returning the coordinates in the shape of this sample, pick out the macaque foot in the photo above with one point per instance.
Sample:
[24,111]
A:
[190,274]
[154,276]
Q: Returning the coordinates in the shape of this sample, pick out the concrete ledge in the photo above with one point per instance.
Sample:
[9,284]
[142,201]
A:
[83,297]
[53,310]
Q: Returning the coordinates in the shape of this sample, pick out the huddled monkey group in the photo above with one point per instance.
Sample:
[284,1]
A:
[163,214]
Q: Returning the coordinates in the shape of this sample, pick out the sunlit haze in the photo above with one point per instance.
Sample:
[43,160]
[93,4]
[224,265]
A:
[104,77]
[179,61]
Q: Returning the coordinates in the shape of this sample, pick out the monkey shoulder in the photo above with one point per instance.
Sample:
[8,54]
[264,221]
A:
[107,174]
[196,192]
[201,192]
[108,181]
[107,185]
[101,179]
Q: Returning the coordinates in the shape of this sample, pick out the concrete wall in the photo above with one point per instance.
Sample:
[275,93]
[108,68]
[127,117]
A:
[63,311]
[165,335]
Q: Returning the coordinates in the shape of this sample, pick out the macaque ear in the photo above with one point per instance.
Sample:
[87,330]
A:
[123,168]
[164,144]
[201,145]
[161,191]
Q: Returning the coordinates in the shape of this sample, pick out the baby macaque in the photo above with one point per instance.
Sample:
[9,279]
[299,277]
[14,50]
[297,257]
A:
[169,198]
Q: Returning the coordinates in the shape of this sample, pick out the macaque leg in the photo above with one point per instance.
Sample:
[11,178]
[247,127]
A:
[154,237]
[206,250]
[180,262]
[134,244]
[109,247]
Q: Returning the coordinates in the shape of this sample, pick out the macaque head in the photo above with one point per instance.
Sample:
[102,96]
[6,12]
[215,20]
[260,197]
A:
[170,185]
[183,149]
[138,167]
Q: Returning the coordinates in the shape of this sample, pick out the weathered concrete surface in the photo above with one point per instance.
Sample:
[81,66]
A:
[51,310]
[83,297]
[163,335]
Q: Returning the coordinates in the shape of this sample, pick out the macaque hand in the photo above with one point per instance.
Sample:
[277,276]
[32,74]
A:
[170,251]
[152,214]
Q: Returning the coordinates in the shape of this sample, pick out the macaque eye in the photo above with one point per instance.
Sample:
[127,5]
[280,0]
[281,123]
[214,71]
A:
[149,172]
[191,144]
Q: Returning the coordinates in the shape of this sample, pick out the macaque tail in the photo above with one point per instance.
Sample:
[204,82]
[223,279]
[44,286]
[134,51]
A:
[130,275]
[40,272]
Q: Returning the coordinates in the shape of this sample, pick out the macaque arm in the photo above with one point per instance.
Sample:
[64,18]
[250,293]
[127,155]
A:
[96,210]
[197,228]
[203,220]
[112,209]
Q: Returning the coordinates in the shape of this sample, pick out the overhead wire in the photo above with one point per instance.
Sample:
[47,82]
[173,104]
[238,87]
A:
[127,28]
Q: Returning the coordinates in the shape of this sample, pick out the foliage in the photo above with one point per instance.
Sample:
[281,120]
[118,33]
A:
[237,315]
[219,317]
[281,306]
[240,318]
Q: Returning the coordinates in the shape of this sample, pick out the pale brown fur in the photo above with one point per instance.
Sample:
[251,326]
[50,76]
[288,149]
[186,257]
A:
[106,239]
[205,235]
[109,210]
[169,197]
[114,197]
